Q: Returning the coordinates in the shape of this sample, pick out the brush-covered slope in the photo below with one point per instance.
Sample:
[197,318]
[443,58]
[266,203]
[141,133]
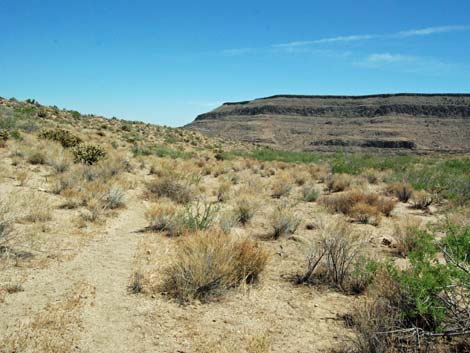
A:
[415,123]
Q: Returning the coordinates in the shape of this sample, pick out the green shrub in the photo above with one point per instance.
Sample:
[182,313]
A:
[88,153]
[64,137]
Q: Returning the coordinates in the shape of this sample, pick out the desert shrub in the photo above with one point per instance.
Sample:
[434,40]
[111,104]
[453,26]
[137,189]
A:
[301,178]
[425,304]
[36,157]
[406,236]
[88,154]
[402,191]
[177,221]
[365,213]
[6,223]
[64,137]
[334,259]
[338,182]
[371,175]
[370,321]
[36,207]
[197,216]
[386,205]
[244,210]
[421,200]
[283,221]
[172,187]
[4,136]
[363,274]
[161,218]
[114,197]
[59,161]
[227,221]
[310,193]
[207,264]
[223,191]
[281,187]
[364,207]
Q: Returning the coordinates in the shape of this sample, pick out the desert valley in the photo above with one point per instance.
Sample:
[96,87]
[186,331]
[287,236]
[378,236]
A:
[282,224]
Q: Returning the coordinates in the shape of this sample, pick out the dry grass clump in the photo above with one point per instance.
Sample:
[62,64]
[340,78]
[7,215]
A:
[365,213]
[207,264]
[402,191]
[223,191]
[244,210]
[281,186]
[283,221]
[421,200]
[161,217]
[176,220]
[372,176]
[310,193]
[301,178]
[364,207]
[6,222]
[114,197]
[338,182]
[37,208]
[172,187]
[404,233]
[36,157]
[4,136]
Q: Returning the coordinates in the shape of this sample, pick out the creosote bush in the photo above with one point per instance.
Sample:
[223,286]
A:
[88,153]
[209,263]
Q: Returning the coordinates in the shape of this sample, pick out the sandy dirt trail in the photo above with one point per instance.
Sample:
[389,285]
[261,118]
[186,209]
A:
[105,264]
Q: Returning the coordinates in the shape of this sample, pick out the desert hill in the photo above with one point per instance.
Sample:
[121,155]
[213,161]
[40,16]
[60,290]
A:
[416,123]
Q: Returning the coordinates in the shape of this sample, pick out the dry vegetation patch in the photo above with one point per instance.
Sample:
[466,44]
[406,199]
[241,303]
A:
[207,264]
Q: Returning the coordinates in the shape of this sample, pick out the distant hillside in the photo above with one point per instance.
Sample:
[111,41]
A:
[413,123]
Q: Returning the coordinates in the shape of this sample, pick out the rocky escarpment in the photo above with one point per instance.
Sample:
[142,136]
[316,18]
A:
[388,122]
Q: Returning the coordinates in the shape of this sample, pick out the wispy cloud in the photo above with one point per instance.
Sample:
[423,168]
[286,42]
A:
[387,58]
[432,30]
[352,38]
[364,37]
[405,63]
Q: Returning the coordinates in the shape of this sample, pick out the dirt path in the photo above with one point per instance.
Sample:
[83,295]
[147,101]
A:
[109,318]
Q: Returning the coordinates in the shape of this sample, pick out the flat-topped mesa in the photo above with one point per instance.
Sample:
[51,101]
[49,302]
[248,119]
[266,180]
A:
[392,122]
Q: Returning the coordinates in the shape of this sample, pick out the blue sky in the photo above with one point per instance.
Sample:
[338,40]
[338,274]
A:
[165,62]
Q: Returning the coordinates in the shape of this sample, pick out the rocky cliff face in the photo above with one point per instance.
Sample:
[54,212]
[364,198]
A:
[416,123]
